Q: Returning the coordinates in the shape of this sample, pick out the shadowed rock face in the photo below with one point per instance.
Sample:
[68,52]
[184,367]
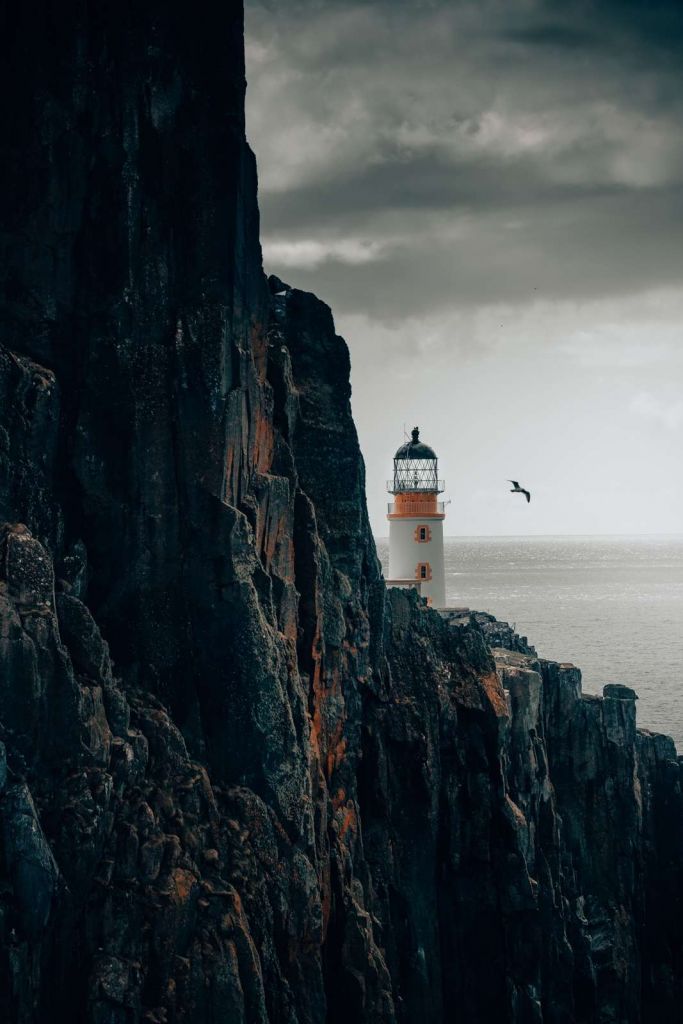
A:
[237,781]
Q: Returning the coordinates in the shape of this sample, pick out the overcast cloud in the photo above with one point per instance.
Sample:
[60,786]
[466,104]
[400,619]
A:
[488,195]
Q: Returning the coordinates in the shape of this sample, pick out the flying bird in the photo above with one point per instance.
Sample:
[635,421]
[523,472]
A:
[516,489]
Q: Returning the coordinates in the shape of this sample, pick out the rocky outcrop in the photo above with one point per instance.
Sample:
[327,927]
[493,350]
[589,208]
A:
[495,632]
[238,780]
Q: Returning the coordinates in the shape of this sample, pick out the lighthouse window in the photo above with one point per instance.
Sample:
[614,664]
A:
[423,534]
[423,571]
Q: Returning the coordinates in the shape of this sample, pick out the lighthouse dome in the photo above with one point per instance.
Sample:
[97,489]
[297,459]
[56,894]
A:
[415,448]
[415,468]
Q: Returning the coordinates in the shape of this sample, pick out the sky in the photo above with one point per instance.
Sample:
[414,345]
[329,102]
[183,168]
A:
[488,196]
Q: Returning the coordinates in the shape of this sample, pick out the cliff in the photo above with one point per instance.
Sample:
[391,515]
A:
[239,781]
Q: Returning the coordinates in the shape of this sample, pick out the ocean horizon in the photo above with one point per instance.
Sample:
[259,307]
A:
[547,536]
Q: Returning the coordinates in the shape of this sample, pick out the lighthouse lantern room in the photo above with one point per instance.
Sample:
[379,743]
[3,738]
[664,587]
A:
[416,521]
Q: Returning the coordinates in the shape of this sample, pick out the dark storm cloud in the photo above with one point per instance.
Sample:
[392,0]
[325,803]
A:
[605,24]
[553,35]
[616,245]
[483,152]
[429,182]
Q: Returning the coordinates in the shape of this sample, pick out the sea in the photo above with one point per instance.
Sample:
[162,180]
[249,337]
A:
[613,606]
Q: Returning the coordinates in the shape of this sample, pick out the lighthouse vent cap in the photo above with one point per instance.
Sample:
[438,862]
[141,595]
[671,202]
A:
[415,448]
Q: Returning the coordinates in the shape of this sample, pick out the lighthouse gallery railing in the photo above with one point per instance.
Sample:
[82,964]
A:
[412,486]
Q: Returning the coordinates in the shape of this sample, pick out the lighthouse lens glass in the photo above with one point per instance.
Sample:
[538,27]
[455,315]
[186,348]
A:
[415,475]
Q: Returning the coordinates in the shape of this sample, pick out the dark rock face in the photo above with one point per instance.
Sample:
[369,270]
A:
[238,782]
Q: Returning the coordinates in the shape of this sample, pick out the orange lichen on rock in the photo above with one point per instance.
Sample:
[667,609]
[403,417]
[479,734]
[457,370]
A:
[515,812]
[263,440]
[493,689]
[339,798]
[230,474]
[183,884]
[349,821]
[335,755]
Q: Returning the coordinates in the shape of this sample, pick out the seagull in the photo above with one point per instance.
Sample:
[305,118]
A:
[516,489]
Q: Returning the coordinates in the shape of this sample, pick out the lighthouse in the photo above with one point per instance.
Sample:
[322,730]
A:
[416,520]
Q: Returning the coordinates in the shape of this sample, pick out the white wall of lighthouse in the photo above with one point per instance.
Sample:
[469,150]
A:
[408,554]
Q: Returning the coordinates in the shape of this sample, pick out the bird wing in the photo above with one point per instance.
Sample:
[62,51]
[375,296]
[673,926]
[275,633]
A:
[528,495]
[513,482]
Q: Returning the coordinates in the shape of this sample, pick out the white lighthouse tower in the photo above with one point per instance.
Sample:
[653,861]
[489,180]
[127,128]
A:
[416,521]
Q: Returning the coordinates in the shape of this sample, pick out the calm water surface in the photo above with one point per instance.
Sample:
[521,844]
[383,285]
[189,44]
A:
[611,605]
